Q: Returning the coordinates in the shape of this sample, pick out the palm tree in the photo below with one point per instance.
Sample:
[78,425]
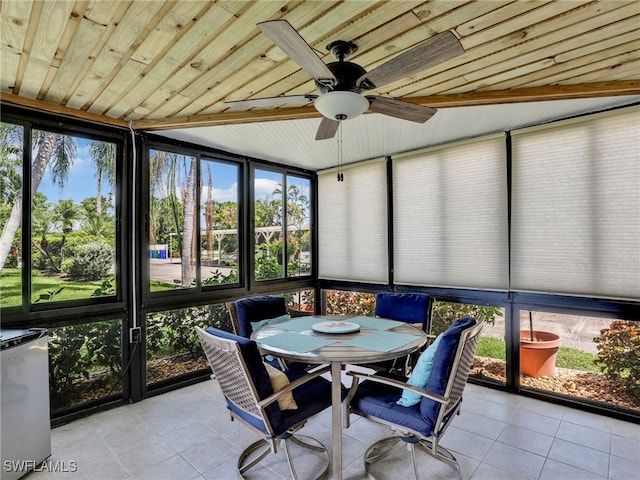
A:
[49,150]
[164,178]
[103,155]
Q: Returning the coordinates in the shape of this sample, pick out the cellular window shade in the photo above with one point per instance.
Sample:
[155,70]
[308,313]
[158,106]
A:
[352,224]
[576,207]
[450,216]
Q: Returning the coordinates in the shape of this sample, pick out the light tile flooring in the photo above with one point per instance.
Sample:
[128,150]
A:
[186,434]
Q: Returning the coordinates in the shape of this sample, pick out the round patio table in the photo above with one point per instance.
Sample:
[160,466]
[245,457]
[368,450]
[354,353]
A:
[341,351]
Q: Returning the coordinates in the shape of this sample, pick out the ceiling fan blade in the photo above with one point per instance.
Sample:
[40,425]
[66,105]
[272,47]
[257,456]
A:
[429,53]
[289,40]
[327,129]
[400,109]
[270,101]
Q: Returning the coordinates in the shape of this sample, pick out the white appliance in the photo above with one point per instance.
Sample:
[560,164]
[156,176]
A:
[24,411]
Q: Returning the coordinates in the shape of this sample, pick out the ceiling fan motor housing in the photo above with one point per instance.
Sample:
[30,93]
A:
[347,74]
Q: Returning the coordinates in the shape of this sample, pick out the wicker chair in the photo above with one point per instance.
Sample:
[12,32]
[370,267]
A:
[247,388]
[422,424]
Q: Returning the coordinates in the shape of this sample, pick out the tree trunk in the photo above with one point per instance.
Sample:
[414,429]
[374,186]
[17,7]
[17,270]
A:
[43,152]
[188,232]
[99,190]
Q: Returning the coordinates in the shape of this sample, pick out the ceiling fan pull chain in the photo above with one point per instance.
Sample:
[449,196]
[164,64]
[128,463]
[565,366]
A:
[340,175]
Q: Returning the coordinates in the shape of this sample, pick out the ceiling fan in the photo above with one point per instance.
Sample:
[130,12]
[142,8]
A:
[340,84]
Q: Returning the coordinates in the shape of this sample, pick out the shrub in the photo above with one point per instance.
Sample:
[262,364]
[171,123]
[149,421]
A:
[445,313]
[92,261]
[350,303]
[172,332]
[618,357]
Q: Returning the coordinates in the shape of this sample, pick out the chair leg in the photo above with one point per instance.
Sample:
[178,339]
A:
[292,469]
[381,449]
[384,448]
[248,458]
[242,467]
[438,452]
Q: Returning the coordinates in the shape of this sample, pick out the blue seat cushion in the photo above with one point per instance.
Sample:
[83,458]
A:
[404,307]
[380,401]
[441,367]
[255,309]
[312,398]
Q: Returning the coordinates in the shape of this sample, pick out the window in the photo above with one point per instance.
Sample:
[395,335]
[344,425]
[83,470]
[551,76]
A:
[281,202]
[85,363]
[268,225]
[11,141]
[172,217]
[219,258]
[73,233]
[72,217]
[298,226]
[585,357]
[173,348]
[189,242]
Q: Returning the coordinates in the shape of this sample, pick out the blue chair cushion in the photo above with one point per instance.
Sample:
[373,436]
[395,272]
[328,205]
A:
[442,366]
[420,375]
[311,398]
[405,307]
[380,401]
[254,309]
[259,377]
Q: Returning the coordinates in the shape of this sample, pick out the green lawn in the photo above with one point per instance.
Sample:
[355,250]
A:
[566,358]
[11,287]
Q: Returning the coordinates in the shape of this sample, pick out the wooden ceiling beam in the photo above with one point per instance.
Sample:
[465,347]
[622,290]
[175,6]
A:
[490,97]
[42,106]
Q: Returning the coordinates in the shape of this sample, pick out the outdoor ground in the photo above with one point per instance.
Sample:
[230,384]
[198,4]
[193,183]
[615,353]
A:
[593,386]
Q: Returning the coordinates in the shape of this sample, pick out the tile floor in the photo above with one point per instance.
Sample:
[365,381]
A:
[186,434]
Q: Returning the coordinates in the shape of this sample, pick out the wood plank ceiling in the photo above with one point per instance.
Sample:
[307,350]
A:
[172,64]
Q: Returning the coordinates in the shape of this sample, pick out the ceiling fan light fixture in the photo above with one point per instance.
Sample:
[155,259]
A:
[341,105]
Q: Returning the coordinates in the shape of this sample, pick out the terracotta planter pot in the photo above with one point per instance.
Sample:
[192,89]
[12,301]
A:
[538,357]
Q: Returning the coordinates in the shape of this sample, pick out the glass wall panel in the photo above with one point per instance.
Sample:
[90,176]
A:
[340,302]
[85,363]
[298,226]
[581,356]
[219,259]
[489,362]
[72,217]
[11,141]
[172,220]
[300,303]
[173,347]
[269,225]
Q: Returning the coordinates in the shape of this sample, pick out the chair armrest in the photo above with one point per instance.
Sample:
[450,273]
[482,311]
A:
[393,383]
[295,384]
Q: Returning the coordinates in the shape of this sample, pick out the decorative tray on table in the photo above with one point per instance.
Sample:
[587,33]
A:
[335,327]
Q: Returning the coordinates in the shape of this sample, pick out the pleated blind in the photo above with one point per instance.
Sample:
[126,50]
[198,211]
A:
[450,216]
[352,223]
[576,207]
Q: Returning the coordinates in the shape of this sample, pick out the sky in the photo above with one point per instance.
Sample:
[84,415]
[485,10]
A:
[82,183]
